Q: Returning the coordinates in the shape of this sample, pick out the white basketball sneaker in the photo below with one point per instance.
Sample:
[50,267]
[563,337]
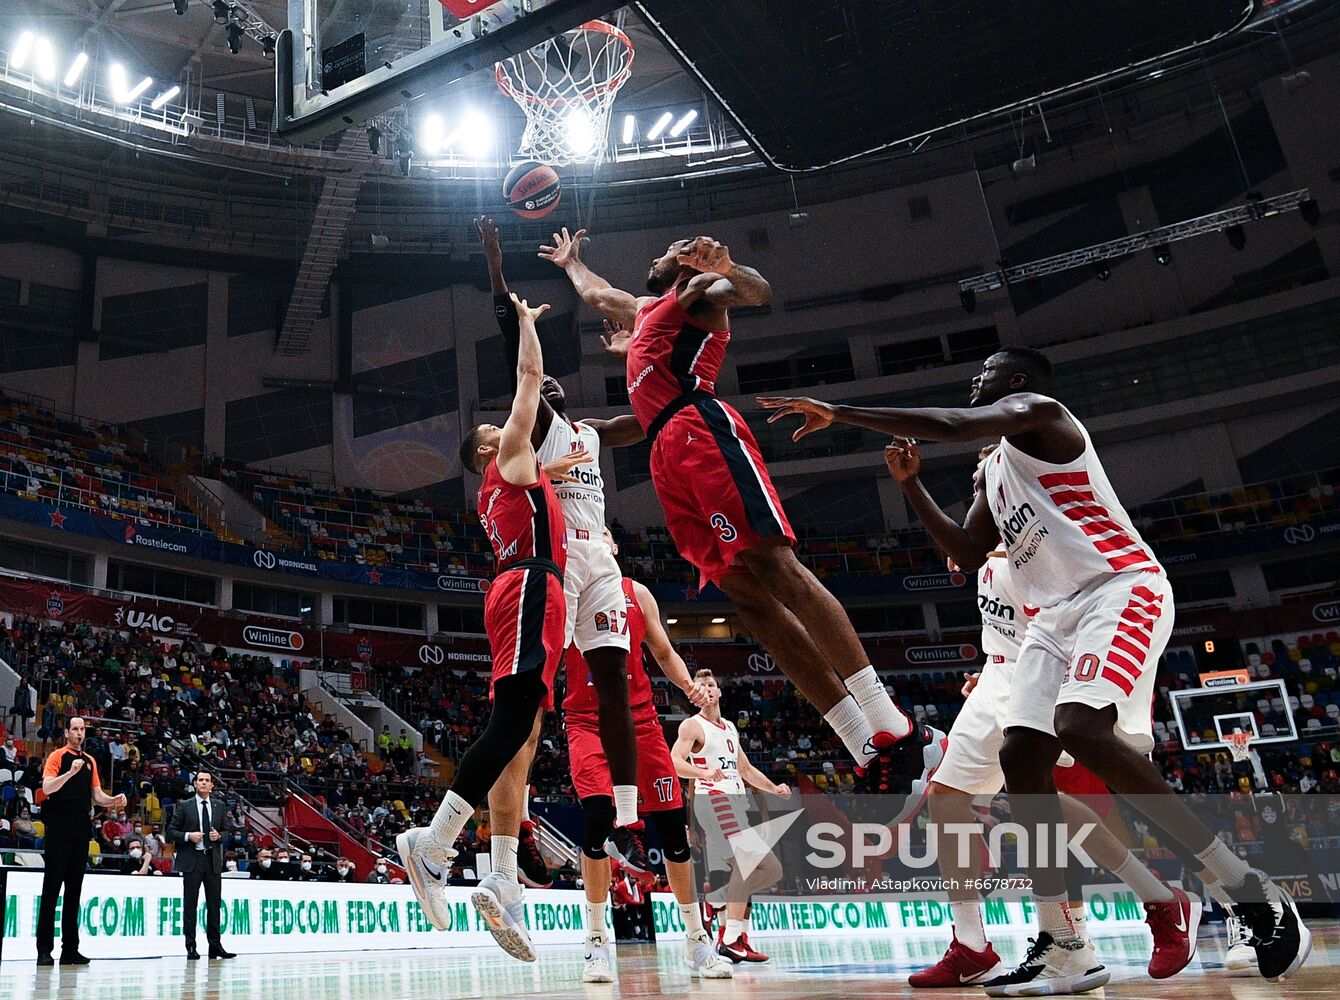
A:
[597,968]
[702,958]
[1052,969]
[500,902]
[428,865]
[1241,957]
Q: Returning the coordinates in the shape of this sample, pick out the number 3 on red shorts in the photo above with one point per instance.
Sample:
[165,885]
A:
[725,530]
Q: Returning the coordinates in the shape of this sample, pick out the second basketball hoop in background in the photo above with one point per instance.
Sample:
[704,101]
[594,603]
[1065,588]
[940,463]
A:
[532,189]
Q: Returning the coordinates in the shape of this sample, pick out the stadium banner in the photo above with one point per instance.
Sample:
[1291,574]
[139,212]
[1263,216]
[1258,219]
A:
[123,916]
[1321,530]
[1108,907]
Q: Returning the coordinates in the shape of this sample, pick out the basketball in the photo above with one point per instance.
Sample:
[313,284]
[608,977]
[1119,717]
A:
[532,190]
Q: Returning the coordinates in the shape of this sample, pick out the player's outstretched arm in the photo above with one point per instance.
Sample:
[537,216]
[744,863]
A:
[721,283]
[968,545]
[617,432]
[488,238]
[667,658]
[1021,413]
[755,778]
[691,735]
[595,291]
[516,454]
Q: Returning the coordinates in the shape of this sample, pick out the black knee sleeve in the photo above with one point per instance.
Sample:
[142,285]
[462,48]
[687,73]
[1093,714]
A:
[717,878]
[516,700]
[598,812]
[672,827]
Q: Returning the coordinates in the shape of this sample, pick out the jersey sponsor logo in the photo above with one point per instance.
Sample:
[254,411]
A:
[724,529]
[1013,524]
[990,605]
[633,385]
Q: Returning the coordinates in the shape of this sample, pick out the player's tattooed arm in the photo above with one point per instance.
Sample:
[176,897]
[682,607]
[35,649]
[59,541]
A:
[1019,414]
[721,283]
[969,544]
[595,291]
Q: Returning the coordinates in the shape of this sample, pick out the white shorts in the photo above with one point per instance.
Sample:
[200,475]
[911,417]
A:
[722,817]
[971,764]
[593,586]
[1099,648]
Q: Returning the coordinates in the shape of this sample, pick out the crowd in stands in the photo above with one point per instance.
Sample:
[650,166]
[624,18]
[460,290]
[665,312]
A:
[86,465]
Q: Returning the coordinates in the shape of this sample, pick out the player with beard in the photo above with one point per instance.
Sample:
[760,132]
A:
[722,510]
[1084,679]
[593,583]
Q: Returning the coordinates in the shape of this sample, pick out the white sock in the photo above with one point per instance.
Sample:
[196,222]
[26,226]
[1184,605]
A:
[1080,919]
[1054,917]
[1228,868]
[625,805]
[734,928]
[883,716]
[852,728]
[502,852]
[525,808]
[693,919]
[744,923]
[1218,893]
[595,916]
[450,819]
[1145,883]
[968,926]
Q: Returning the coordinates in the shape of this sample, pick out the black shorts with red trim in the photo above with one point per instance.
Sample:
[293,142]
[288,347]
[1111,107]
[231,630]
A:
[525,616]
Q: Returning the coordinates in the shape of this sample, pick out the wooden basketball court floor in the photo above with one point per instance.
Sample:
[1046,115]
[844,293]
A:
[836,969]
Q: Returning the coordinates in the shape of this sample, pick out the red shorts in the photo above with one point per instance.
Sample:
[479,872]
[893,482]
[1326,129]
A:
[657,784]
[719,500]
[526,618]
[1079,781]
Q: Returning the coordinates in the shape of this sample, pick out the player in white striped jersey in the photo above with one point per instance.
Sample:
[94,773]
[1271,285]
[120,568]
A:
[592,581]
[1084,680]
[708,752]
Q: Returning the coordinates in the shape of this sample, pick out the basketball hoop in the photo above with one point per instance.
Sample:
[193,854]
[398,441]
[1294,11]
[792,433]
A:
[566,88]
[1239,745]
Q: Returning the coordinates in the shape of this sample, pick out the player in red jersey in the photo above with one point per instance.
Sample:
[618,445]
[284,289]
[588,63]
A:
[659,790]
[720,505]
[525,617]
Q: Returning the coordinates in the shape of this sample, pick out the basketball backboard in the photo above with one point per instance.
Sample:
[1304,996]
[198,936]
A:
[1206,716]
[344,61]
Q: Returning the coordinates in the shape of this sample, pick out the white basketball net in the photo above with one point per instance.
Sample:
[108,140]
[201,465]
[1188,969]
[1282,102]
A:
[566,87]
[1239,745]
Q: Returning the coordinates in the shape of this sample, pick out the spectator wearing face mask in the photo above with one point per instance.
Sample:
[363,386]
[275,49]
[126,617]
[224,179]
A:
[137,861]
[264,866]
[380,875]
[230,865]
[284,869]
[305,873]
[343,872]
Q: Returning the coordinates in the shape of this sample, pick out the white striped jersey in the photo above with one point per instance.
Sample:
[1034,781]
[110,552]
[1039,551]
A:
[1002,608]
[721,748]
[583,502]
[1063,526]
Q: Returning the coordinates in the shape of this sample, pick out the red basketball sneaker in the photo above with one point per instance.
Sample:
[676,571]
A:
[1174,926]
[741,951]
[960,966]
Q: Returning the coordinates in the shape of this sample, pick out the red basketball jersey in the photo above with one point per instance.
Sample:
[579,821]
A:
[522,522]
[580,698]
[670,354]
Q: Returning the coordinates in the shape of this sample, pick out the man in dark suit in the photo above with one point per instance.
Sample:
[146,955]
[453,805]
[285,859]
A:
[197,829]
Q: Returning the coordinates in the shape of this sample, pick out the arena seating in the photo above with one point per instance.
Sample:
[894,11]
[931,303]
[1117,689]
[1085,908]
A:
[85,465]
